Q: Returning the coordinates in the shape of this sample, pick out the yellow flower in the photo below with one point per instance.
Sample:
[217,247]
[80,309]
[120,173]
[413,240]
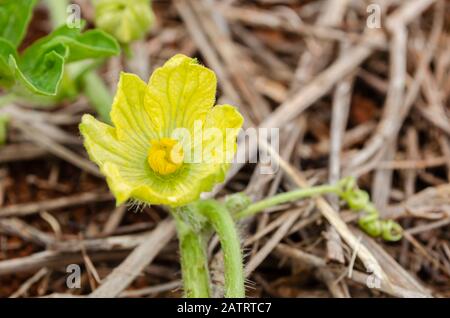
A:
[168,144]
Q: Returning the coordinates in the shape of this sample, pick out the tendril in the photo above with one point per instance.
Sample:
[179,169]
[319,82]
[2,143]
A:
[358,200]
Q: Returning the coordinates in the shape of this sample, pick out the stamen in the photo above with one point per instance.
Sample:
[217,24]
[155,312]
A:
[165,156]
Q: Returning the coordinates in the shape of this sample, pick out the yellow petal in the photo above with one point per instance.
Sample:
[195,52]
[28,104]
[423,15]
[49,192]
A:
[179,93]
[102,144]
[115,159]
[134,122]
[129,176]
[222,125]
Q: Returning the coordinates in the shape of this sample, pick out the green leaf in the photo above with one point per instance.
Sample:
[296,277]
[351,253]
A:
[87,45]
[6,74]
[40,69]
[14,18]
[43,78]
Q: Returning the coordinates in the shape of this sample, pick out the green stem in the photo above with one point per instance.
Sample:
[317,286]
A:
[98,94]
[286,197]
[194,264]
[223,223]
[4,120]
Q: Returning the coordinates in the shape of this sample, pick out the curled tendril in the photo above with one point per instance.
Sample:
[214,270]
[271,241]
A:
[371,224]
[358,200]
[392,231]
[237,202]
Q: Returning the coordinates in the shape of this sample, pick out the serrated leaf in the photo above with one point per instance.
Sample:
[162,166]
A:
[14,18]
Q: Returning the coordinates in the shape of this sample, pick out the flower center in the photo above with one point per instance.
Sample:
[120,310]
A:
[165,156]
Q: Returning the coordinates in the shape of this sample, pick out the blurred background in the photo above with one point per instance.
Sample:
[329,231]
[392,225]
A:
[357,88]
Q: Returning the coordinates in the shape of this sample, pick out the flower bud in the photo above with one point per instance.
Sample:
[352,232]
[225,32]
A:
[124,19]
[237,202]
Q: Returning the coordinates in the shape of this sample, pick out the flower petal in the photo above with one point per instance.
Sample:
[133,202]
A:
[133,122]
[222,125]
[113,157]
[103,146]
[183,187]
[179,93]
[179,189]
[129,176]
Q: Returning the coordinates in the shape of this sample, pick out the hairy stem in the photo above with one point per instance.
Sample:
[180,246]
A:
[286,197]
[223,224]
[194,261]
